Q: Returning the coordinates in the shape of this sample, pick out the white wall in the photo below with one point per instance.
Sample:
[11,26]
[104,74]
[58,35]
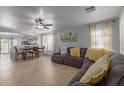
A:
[115,36]
[19,41]
[84,37]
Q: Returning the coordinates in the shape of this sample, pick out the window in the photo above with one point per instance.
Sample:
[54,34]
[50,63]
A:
[99,43]
[101,35]
[48,42]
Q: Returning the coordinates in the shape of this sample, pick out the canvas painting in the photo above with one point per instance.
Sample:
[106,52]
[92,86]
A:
[69,36]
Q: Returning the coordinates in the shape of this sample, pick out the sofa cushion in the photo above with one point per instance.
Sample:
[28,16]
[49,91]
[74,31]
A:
[97,71]
[58,58]
[73,61]
[116,71]
[75,52]
[94,54]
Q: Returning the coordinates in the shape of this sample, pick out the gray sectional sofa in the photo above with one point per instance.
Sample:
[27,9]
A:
[115,76]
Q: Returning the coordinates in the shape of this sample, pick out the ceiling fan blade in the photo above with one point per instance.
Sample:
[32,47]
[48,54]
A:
[41,23]
[36,20]
[48,24]
[45,27]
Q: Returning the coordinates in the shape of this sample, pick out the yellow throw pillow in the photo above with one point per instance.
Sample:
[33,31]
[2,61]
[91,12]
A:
[75,52]
[107,51]
[94,54]
[97,71]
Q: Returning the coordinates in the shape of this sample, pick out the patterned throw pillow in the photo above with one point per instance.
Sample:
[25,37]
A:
[97,71]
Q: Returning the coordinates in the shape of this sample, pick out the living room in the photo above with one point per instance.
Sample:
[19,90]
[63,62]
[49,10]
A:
[61,46]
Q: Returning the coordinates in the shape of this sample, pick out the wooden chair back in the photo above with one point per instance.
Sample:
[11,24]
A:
[35,48]
[16,49]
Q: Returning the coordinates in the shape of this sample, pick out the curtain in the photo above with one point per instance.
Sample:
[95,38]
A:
[107,34]
[48,42]
[101,34]
[93,35]
[122,33]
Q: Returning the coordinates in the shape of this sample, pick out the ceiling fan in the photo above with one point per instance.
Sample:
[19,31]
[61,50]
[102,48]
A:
[40,24]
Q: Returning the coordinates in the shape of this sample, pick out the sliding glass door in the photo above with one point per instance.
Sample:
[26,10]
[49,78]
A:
[5,45]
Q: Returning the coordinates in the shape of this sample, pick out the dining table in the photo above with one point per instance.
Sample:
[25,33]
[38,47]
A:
[28,50]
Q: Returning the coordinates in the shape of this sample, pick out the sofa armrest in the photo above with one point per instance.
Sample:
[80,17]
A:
[121,82]
[57,53]
[80,84]
[87,63]
[80,73]
[78,76]
[85,60]
[67,55]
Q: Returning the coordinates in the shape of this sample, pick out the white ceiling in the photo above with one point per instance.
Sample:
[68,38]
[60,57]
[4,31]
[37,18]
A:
[20,18]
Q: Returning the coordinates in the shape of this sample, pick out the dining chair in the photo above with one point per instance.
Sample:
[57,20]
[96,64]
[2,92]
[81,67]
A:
[28,53]
[36,51]
[42,50]
[18,53]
